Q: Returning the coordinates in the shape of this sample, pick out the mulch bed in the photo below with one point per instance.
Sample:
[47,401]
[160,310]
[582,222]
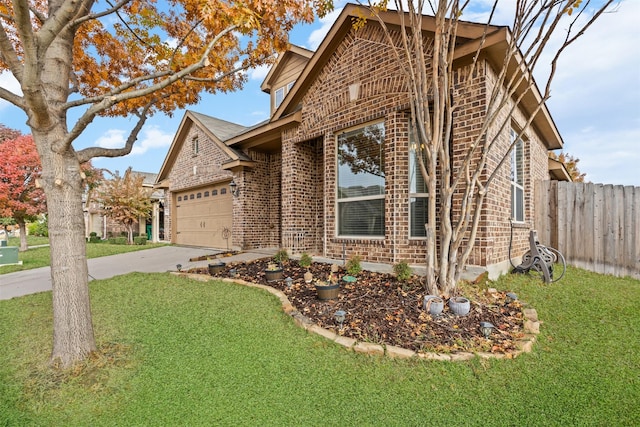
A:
[383,310]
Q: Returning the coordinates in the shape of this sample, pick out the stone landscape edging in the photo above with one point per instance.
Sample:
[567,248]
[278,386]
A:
[524,345]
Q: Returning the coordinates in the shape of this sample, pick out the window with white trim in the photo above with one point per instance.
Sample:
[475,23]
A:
[517,178]
[418,197]
[361,181]
[281,92]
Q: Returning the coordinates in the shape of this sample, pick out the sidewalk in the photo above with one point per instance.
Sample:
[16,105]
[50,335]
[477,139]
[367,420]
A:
[160,260]
[156,260]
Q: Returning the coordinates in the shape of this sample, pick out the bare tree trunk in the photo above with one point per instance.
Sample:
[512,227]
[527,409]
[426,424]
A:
[73,337]
[130,233]
[23,236]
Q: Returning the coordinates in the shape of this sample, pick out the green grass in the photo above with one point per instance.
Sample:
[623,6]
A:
[31,241]
[182,352]
[39,257]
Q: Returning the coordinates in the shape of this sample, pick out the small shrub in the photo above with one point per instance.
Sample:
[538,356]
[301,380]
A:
[93,234]
[282,256]
[120,240]
[402,270]
[305,260]
[39,228]
[140,240]
[353,265]
[94,239]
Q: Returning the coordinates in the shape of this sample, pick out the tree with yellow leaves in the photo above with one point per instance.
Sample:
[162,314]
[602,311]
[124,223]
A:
[84,59]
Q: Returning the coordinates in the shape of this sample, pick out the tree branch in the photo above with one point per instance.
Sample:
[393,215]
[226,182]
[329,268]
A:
[11,97]
[9,55]
[106,101]
[87,154]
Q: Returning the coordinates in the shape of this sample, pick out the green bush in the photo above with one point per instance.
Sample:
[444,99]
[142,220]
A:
[282,256]
[140,240]
[305,260]
[93,234]
[120,240]
[402,270]
[353,265]
[39,228]
[94,239]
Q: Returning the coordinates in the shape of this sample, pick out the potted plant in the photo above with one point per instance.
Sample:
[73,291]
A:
[433,305]
[459,306]
[216,267]
[353,266]
[281,257]
[329,289]
[273,272]
[305,262]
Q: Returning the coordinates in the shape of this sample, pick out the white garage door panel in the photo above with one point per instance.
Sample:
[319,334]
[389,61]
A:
[202,221]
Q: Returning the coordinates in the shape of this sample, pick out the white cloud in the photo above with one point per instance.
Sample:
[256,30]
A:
[260,72]
[151,138]
[113,138]
[317,35]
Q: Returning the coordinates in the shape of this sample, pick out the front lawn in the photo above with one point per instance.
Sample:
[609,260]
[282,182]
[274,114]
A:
[182,352]
[39,257]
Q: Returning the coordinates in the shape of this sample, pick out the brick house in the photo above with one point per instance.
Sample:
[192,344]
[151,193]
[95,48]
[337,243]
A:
[105,227]
[332,171]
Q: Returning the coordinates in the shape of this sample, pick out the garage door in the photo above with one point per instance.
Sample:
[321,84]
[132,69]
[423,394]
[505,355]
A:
[204,217]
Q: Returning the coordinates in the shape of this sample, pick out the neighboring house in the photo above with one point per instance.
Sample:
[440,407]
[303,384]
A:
[105,227]
[346,100]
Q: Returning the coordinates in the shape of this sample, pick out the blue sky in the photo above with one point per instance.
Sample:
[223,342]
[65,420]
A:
[595,103]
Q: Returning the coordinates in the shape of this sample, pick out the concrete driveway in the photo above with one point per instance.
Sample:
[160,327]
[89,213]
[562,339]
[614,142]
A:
[155,260]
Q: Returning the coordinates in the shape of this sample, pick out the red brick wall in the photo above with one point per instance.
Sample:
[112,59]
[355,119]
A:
[326,111]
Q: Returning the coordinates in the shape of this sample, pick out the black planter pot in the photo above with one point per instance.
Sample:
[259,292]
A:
[273,275]
[327,292]
[216,268]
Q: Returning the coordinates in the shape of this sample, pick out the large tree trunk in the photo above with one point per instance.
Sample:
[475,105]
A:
[23,236]
[73,337]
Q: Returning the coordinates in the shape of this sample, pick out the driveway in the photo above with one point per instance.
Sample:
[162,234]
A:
[155,260]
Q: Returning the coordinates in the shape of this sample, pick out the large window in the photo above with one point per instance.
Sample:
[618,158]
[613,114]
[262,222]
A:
[418,197]
[361,181]
[517,178]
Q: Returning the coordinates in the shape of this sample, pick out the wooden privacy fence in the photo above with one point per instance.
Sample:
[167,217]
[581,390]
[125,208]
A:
[595,226]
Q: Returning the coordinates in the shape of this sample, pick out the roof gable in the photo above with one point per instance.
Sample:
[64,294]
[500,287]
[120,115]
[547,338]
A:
[283,63]
[217,130]
[469,38]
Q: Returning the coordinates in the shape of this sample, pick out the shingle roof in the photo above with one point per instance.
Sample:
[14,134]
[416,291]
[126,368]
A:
[222,129]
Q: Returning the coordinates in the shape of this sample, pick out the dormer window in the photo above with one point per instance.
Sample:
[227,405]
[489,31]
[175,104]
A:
[281,92]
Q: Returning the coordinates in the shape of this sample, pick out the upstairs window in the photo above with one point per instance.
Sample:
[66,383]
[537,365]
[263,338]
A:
[281,92]
[517,178]
[361,182]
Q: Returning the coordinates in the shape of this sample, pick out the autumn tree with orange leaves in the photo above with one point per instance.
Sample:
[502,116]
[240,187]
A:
[571,163]
[20,198]
[128,58]
[125,200]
